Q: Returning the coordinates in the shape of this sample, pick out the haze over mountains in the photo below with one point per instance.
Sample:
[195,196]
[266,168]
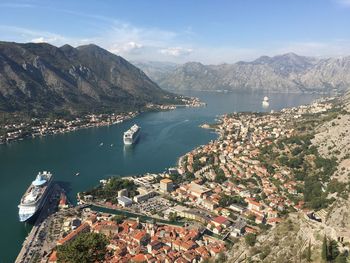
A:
[282,73]
[41,78]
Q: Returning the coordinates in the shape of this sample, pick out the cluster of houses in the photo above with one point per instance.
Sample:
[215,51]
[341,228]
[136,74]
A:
[133,241]
[236,154]
[37,127]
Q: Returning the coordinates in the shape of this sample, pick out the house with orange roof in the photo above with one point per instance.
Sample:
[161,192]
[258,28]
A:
[187,245]
[108,228]
[141,237]
[139,258]
[250,230]
[254,205]
[83,228]
[220,221]
[53,257]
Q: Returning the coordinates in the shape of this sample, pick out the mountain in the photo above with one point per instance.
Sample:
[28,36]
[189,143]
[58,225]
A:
[41,78]
[155,69]
[283,73]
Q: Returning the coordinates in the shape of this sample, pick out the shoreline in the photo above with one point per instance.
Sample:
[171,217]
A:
[87,121]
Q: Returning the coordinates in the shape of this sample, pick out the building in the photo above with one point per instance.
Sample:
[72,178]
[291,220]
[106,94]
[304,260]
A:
[63,201]
[195,214]
[124,201]
[143,197]
[237,208]
[123,192]
[208,204]
[220,221]
[198,190]
[166,185]
[238,228]
[72,235]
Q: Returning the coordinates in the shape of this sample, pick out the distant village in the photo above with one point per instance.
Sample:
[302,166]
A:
[43,127]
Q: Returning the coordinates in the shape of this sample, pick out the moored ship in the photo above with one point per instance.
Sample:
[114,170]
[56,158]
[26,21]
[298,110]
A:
[265,102]
[35,196]
[131,135]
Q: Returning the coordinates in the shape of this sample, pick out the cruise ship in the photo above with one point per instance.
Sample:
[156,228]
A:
[131,135]
[265,102]
[35,196]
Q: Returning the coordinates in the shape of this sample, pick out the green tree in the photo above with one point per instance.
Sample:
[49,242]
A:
[172,216]
[341,258]
[118,218]
[86,248]
[324,252]
[250,239]
[333,251]
[221,258]
[220,176]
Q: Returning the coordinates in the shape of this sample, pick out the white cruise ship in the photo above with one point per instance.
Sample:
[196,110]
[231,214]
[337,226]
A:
[35,196]
[265,102]
[131,135]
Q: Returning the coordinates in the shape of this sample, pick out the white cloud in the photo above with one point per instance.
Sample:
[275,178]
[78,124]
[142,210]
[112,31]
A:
[176,51]
[149,43]
[124,48]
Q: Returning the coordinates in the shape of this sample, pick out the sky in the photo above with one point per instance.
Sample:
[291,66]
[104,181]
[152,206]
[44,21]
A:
[208,31]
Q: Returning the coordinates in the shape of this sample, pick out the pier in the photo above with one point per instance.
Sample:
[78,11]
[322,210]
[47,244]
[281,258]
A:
[33,249]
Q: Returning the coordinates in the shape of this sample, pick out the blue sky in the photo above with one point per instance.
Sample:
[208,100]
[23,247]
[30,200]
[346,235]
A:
[215,31]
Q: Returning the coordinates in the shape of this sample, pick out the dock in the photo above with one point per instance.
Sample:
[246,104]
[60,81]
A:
[32,249]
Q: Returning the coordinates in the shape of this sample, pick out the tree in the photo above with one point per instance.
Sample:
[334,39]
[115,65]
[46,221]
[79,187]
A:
[172,216]
[250,239]
[341,258]
[333,251]
[221,258]
[86,248]
[324,253]
[118,218]
[220,176]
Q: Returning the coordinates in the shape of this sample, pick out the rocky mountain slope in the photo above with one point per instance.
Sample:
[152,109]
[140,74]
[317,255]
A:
[283,73]
[155,69]
[41,78]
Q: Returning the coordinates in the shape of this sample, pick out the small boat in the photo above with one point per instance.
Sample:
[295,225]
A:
[77,174]
[112,145]
[101,144]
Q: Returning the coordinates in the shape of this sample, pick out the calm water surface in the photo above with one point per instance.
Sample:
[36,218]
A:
[165,136]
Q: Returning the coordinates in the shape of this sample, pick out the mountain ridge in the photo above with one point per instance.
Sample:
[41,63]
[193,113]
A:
[282,73]
[39,78]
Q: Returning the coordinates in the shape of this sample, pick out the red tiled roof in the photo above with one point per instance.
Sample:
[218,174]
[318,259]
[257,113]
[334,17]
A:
[220,220]
[74,233]
[139,258]
[53,256]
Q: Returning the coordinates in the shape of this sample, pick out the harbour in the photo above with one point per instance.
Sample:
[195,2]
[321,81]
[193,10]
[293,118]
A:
[165,136]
